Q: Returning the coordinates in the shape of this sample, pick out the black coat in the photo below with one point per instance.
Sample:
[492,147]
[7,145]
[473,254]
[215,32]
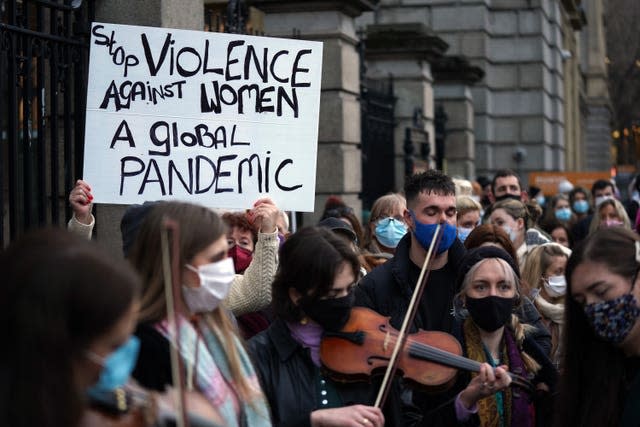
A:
[388,288]
[288,377]
[543,401]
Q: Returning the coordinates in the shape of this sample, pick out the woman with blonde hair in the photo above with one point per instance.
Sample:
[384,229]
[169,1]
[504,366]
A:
[215,361]
[468,216]
[544,272]
[514,218]
[491,333]
[386,224]
[609,213]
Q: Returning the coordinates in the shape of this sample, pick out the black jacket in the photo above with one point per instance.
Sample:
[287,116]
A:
[388,288]
[543,401]
[288,378]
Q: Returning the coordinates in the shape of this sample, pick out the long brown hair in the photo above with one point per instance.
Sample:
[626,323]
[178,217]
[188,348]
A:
[594,378]
[199,228]
[59,294]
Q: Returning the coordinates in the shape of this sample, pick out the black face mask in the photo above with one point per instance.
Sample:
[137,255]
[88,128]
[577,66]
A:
[490,313]
[508,196]
[331,313]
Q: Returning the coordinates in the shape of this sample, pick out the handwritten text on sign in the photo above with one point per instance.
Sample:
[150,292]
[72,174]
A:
[218,119]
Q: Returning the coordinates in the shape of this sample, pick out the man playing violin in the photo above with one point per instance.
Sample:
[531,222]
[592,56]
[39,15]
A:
[387,289]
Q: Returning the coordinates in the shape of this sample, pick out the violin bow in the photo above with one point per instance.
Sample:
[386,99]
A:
[171,272]
[408,318]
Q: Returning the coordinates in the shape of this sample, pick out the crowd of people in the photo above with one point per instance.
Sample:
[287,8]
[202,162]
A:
[529,312]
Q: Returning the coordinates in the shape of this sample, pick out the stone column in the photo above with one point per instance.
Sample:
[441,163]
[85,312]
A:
[405,52]
[185,14]
[331,22]
[454,78]
[598,129]
[573,22]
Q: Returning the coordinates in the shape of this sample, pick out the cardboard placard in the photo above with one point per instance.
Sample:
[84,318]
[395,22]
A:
[212,118]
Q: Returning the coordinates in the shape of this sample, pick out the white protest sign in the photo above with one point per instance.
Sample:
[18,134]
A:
[212,118]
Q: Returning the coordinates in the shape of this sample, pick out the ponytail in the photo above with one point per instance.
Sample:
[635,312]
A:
[520,331]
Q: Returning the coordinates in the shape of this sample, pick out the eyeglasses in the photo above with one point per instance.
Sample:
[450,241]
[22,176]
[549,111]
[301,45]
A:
[396,217]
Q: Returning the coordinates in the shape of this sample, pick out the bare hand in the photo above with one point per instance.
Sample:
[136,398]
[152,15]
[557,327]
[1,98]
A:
[81,200]
[485,384]
[264,215]
[349,416]
[197,405]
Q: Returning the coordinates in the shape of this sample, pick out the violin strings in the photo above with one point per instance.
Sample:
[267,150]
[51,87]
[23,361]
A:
[443,357]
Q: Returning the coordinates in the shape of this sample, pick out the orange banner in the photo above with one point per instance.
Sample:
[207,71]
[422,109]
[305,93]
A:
[548,181]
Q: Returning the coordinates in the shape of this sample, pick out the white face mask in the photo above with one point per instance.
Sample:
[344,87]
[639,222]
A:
[598,200]
[510,232]
[555,286]
[215,280]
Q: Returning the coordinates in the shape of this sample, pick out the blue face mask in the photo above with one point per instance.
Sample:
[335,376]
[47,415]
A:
[117,367]
[541,200]
[389,231]
[581,206]
[463,233]
[425,232]
[563,214]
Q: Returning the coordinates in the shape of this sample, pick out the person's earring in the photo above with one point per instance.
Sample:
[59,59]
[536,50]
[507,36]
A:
[304,320]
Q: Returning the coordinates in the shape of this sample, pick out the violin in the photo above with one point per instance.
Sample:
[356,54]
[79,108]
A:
[136,407]
[428,359]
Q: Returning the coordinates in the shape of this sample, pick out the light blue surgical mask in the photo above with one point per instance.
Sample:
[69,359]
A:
[463,233]
[541,200]
[425,232]
[563,214]
[116,367]
[581,206]
[389,231]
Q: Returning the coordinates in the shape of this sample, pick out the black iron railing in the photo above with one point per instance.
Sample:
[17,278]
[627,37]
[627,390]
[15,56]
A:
[43,64]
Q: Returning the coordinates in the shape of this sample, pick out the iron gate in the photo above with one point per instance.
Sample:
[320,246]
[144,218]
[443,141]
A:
[377,122]
[43,64]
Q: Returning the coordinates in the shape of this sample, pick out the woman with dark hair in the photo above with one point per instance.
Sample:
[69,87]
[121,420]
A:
[313,293]
[559,210]
[68,307]
[579,200]
[216,363]
[559,233]
[600,384]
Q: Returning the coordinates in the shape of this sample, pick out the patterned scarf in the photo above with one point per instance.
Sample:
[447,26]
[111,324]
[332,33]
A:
[208,371]
[517,407]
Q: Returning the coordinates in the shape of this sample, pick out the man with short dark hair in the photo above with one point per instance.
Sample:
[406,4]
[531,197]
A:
[387,289]
[506,185]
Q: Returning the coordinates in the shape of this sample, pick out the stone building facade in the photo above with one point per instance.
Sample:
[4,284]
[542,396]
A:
[522,85]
